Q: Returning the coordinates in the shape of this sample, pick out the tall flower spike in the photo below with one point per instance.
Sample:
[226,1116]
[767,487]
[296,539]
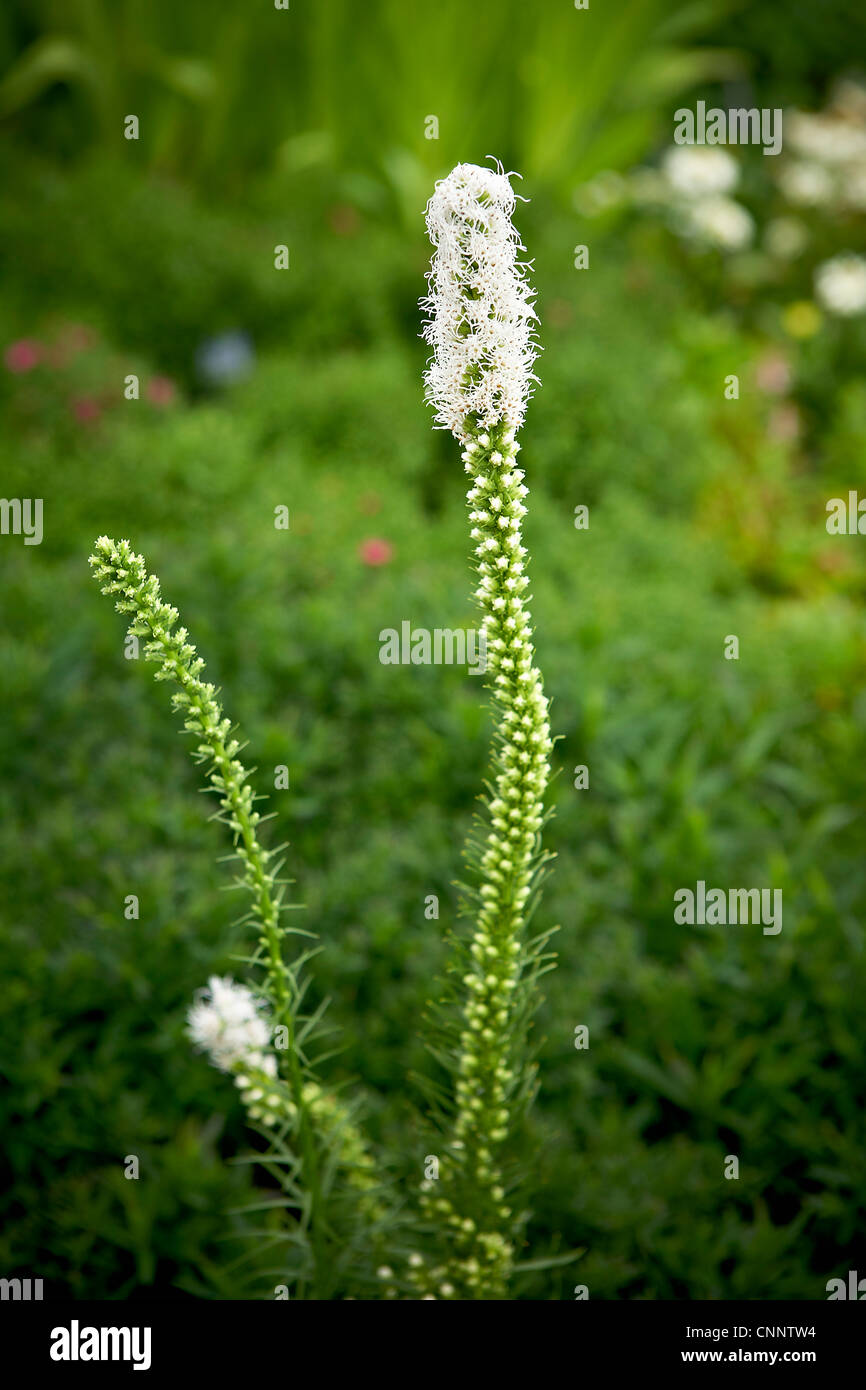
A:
[229,1021]
[481,324]
[479,380]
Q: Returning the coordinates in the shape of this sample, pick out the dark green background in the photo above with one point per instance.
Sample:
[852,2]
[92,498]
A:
[306,127]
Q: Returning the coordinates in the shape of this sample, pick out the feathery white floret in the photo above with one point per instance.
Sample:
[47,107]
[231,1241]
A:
[226,1022]
[482,321]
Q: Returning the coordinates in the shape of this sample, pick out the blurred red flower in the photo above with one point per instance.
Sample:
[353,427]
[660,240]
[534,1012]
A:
[161,390]
[375,551]
[85,409]
[23,355]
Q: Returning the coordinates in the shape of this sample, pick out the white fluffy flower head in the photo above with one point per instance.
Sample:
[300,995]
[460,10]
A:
[482,321]
[226,1022]
[840,285]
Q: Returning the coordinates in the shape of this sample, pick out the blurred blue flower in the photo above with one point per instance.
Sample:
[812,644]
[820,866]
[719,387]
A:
[226,358]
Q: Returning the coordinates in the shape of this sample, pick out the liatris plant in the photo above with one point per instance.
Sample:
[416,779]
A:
[260,1036]
[481,328]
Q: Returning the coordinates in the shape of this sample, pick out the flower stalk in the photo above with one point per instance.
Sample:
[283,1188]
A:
[229,1021]
[481,327]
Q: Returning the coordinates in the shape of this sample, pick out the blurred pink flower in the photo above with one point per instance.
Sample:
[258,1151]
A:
[784,423]
[23,355]
[375,551]
[161,390]
[86,409]
[773,374]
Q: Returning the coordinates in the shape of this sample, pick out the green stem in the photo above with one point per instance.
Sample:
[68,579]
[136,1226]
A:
[492,1073]
[267,911]
[123,574]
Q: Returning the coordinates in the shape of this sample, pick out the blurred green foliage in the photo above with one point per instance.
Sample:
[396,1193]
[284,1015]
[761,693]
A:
[703,522]
[225,90]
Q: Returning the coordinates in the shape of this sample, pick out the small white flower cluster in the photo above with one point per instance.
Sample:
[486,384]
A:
[481,316]
[840,285]
[421,1277]
[693,187]
[226,1022]
[700,179]
[821,170]
[805,183]
[721,222]
[827,167]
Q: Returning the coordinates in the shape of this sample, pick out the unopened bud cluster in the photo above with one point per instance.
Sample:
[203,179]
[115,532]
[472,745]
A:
[122,574]
[521,769]
[487,1073]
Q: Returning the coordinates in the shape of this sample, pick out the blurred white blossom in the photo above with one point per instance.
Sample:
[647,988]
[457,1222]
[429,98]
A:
[692,186]
[699,171]
[821,177]
[829,148]
[721,222]
[854,192]
[226,1022]
[806,183]
[825,137]
[840,285]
